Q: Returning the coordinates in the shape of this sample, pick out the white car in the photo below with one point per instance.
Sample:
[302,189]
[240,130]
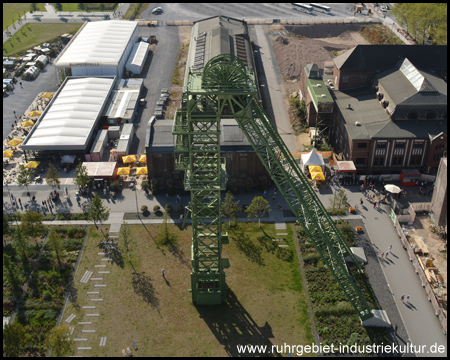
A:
[383,8]
[157,10]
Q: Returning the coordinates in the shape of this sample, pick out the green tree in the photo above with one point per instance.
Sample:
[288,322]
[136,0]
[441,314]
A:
[31,224]
[5,224]
[58,6]
[81,176]
[102,7]
[342,199]
[258,208]
[81,6]
[59,341]
[230,208]
[24,177]
[10,273]
[126,238]
[165,236]
[53,176]
[97,211]
[56,246]
[15,339]
[21,245]
[33,7]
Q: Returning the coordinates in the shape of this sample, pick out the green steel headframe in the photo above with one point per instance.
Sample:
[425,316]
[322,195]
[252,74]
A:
[226,88]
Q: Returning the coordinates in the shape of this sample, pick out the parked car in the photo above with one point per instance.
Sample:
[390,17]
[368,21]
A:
[157,11]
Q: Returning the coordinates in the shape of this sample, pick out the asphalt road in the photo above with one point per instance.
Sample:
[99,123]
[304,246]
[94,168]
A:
[157,74]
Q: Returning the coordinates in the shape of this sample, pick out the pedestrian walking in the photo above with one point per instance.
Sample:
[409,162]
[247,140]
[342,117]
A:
[14,112]
[374,205]
[181,217]
[264,194]
[395,328]
[403,297]
[163,275]
[20,201]
[167,196]
[280,207]
[390,247]
[382,255]
[273,198]
[12,197]
[20,84]
[407,299]
[275,192]
[387,253]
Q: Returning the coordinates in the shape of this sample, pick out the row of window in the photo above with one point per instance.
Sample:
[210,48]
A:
[396,161]
[397,146]
[430,114]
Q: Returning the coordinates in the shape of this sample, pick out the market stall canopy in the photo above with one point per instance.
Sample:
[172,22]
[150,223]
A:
[68,159]
[34,113]
[314,168]
[14,142]
[392,188]
[123,171]
[143,158]
[47,95]
[8,153]
[128,158]
[27,123]
[141,171]
[346,166]
[32,164]
[317,176]
[311,158]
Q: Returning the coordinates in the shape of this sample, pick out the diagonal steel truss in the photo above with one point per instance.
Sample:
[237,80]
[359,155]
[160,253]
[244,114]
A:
[225,88]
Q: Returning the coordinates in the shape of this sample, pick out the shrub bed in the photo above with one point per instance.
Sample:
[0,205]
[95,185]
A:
[335,318]
[44,299]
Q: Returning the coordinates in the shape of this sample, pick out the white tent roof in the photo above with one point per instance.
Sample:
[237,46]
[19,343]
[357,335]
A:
[69,121]
[99,42]
[312,158]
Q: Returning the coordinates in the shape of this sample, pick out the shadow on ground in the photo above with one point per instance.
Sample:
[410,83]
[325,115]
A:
[232,325]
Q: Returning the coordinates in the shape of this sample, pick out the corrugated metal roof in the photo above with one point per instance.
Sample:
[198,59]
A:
[99,42]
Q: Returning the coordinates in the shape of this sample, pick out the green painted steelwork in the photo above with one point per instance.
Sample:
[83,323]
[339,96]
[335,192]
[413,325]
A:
[226,88]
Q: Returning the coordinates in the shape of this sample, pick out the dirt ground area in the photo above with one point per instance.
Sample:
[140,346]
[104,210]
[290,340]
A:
[435,244]
[297,46]
[184,33]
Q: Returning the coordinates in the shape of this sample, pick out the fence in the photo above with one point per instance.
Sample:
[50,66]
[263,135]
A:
[423,279]
[421,206]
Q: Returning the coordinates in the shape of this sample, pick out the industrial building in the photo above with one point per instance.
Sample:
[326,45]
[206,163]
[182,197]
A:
[68,123]
[136,60]
[390,110]
[210,37]
[99,48]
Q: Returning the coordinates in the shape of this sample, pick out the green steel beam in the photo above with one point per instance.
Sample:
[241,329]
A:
[226,88]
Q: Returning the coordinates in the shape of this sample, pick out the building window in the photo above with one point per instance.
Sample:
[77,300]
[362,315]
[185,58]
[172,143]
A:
[413,114]
[378,161]
[345,79]
[439,146]
[399,145]
[360,161]
[418,145]
[431,114]
[397,160]
[415,160]
[362,145]
[381,145]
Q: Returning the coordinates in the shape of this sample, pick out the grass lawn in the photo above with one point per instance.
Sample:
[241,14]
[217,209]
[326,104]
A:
[265,303]
[92,7]
[12,12]
[32,35]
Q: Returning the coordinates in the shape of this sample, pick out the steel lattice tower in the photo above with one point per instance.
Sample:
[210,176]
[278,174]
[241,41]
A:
[226,89]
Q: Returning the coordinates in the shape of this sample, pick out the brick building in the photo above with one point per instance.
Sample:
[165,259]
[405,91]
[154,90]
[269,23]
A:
[391,114]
